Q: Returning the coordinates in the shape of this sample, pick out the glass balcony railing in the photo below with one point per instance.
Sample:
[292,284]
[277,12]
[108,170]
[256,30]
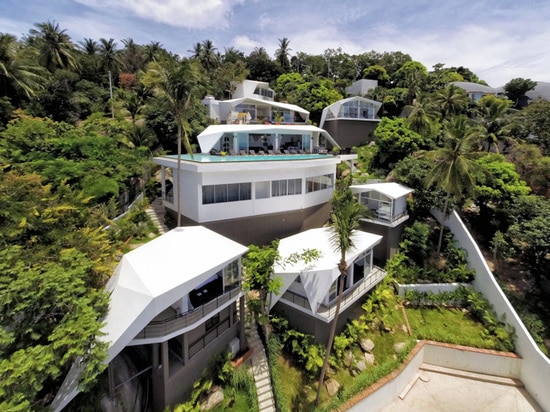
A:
[178,321]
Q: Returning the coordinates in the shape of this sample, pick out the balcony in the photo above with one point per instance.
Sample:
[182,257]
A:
[327,312]
[169,322]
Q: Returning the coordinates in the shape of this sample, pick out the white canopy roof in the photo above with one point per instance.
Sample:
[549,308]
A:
[212,134]
[318,276]
[151,278]
[390,189]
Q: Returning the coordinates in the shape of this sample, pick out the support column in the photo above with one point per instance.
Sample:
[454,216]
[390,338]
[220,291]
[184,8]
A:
[242,340]
[157,377]
[163,182]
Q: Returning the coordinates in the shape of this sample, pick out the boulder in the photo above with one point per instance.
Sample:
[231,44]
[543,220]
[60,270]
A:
[348,358]
[369,358]
[332,387]
[213,400]
[399,346]
[367,345]
[361,365]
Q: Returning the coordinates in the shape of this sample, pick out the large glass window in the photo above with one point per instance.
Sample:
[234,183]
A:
[286,187]
[262,190]
[316,183]
[233,192]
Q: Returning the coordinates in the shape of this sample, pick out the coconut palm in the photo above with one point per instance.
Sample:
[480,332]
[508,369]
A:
[109,62]
[421,116]
[89,46]
[492,114]
[56,51]
[18,73]
[281,54]
[346,212]
[455,163]
[450,101]
[177,81]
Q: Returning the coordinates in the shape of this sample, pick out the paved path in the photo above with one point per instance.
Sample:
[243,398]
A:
[155,210]
[260,367]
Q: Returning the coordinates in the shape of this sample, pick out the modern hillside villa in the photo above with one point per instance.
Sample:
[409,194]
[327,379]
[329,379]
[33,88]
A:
[309,292]
[177,304]
[251,197]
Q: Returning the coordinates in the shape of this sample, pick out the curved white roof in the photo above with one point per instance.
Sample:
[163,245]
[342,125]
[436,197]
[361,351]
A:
[212,134]
[334,108]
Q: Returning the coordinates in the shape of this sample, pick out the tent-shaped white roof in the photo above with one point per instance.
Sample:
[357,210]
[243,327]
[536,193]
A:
[151,278]
[390,189]
[334,108]
[317,276]
[212,134]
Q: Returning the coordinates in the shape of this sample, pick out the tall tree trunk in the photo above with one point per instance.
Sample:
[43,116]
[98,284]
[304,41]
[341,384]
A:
[445,206]
[178,219]
[332,332]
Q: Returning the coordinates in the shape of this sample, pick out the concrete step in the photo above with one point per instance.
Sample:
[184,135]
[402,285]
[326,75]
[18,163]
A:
[501,380]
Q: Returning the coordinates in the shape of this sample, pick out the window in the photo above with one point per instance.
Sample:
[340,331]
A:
[212,323]
[231,275]
[316,183]
[262,190]
[286,187]
[232,192]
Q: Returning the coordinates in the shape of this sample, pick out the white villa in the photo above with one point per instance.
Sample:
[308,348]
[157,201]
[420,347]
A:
[351,121]
[178,304]
[309,292]
[253,198]
[388,205]
[253,103]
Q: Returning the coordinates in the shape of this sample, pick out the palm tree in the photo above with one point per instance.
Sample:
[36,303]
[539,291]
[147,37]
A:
[281,54]
[109,62]
[451,100]
[455,164]
[89,46]
[421,116]
[492,114]
[177,80]
[346,212]
[18,73]
[56,51]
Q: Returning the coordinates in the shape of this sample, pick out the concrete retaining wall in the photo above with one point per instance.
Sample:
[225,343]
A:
[535,366]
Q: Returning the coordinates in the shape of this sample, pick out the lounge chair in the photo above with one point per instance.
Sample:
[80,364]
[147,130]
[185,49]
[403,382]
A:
[270,152]
[261,152]
[252,152]
[277,152]
[232,152]
[243,152]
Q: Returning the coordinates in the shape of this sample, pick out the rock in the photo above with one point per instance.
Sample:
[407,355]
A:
[369,358]
[348,358]
[213,400]
[361,366]
[367,345]
[398,347]
[404,328]
[332,387]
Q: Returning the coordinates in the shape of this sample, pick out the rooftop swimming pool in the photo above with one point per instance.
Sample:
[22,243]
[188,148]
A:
[207,158]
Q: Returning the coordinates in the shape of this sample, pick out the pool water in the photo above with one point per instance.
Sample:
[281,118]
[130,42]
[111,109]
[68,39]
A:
[207,158]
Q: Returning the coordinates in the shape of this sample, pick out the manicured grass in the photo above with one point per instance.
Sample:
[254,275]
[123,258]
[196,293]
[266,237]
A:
[449,325]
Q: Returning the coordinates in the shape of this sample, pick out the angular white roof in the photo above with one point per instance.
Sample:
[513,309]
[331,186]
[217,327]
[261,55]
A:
[390,189]
[318,276]
[151,278]
[212,134]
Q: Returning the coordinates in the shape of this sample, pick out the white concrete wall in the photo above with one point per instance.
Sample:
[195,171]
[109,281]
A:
[429,287]
[535,366]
